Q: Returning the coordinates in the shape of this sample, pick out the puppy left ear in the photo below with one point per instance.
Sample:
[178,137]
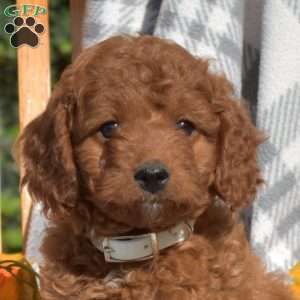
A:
[237,173]
[45,149]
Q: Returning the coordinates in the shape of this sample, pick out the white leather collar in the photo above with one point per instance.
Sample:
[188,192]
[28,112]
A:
[133,248]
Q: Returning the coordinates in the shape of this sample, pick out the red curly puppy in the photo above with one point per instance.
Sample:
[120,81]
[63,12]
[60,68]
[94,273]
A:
[142,160]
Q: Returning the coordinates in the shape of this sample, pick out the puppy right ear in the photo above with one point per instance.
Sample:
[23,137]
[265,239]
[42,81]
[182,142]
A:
[46,156]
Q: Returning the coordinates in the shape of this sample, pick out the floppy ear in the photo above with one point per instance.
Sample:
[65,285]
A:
[237,173]
[46,155]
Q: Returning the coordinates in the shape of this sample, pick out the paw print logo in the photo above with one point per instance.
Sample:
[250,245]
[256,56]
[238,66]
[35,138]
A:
[24,32]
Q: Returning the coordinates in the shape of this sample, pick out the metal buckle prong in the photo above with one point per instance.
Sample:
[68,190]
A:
[154,244]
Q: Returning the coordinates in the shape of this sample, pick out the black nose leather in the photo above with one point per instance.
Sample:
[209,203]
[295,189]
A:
[152,176]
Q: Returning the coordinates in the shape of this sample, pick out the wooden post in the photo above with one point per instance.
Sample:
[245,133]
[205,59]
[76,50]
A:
[34,89]
[78,8]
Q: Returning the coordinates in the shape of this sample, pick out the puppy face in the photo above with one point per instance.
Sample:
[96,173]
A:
[148,159]
[140,136]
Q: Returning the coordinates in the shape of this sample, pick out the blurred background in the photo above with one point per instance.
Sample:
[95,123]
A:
[60,57]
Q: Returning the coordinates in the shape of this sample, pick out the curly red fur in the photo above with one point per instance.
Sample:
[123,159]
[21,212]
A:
[85,181]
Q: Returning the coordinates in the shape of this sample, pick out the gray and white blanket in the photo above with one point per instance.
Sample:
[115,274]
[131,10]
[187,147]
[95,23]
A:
[256,43]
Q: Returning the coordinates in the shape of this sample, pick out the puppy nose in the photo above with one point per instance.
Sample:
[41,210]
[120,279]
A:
[152,176]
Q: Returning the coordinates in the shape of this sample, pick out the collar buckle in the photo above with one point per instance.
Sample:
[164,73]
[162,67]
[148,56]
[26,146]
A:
[108,251]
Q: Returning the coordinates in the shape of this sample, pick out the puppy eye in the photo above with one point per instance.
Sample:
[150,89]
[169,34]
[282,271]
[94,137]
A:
[186,125]
[107,129]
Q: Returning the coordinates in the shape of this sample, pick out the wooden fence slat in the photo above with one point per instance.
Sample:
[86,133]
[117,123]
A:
[78,8]
[34,90]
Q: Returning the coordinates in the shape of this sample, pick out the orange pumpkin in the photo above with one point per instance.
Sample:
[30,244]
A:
[295,274]
[17,278]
